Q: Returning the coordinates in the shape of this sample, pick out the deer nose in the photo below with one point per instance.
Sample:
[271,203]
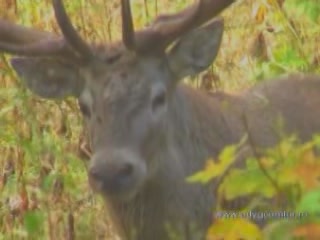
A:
[113,175]
[105,175]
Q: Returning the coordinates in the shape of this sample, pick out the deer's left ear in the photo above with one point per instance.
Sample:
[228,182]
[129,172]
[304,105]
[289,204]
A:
[196,50]
[49,78]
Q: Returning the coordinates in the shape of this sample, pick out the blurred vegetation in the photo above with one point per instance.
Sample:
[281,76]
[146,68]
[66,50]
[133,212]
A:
[43,184]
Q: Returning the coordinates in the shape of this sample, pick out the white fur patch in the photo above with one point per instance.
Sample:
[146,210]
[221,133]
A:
[86,97]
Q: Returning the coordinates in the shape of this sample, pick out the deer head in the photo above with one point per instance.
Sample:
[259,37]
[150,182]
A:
[124,89]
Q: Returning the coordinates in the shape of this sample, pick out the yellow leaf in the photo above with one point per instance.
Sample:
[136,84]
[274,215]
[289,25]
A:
[306,171]
[210,171]
[287,176]
[267,162]
[213,168]
[231,229]
[259,12]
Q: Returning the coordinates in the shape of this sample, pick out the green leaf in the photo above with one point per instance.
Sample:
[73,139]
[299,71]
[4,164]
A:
[310,203]
[289,56]
[310,8]
[33,221]
[48,182]
[245,182]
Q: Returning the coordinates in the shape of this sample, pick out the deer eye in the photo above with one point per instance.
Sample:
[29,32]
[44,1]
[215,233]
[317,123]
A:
[85,110]
[158,101]
[112,59]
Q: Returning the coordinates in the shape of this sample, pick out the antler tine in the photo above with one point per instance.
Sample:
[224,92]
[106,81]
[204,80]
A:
[25,41]
[69,32]
[167,28]
[18,34]
[128,37]
[20,40]
[41,48]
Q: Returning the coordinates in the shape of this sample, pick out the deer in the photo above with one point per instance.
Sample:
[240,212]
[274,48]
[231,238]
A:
[147,129]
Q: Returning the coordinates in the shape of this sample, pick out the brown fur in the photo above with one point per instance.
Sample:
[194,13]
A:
[149,132]
[200,126]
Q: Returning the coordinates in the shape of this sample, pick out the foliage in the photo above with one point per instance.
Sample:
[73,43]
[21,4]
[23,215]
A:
[295,172]
[215,169]
[43,183]
[233,229]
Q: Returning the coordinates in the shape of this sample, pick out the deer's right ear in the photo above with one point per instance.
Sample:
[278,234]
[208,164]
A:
[196,50]
[49,78]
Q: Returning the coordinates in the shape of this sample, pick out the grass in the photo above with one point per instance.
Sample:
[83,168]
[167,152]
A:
[43,184]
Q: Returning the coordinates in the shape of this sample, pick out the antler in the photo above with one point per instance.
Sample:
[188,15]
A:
[15,39]
[19,34]
[128,35]
[21,40]
[167,28]
[164,30]
[70,34]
